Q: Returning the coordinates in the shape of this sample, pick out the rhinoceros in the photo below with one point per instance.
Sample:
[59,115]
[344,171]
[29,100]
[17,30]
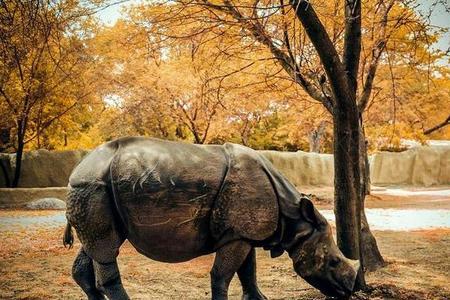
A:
[176,201]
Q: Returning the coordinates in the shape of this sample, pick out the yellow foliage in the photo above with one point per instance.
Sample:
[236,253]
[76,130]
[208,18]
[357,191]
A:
[184,72]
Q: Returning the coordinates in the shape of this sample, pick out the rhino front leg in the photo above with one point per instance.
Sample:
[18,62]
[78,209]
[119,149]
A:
[228,260]
[247,276]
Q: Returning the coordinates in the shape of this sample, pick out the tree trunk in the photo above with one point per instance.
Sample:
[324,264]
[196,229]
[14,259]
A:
[19,154]
[5,173]
[314,142]
[347,184]
[5,140]
[38,135]
[370,253]
[315,138]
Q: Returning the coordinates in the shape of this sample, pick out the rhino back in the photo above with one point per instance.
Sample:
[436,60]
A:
[165,191]
[94,168]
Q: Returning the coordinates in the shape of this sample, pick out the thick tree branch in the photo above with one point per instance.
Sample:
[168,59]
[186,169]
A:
[327,52]
[327,101]
[438,126]
[352,40]
[288,63]
[377,50]
[368,84]
[8,100]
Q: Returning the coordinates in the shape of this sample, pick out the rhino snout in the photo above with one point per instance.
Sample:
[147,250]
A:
[346,276]
[355,264]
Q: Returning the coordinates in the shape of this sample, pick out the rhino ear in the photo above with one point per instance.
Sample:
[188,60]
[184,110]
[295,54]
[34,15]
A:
[302,230]
[307,210]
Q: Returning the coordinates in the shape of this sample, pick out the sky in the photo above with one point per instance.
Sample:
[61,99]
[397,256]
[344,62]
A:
[440,17]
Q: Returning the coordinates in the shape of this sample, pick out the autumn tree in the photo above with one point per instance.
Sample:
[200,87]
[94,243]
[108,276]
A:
[41,68]
[321,49]
[410,103]
[166,91]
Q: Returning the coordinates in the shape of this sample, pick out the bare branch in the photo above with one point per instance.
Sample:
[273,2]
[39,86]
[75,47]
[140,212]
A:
[377,51]
[257,31]
[437,127]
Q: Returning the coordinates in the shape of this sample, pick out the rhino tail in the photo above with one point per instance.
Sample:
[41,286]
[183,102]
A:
[68,236]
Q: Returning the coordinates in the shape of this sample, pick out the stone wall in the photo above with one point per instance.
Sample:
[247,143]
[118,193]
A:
[420,166]
[43,168]
[20,197]
[303,168]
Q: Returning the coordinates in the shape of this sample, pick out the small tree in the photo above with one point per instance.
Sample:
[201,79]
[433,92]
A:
[42,61]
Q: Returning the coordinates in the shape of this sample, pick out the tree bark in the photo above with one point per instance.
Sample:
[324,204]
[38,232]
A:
[5,173]
[18,167]
[371,255]
[21,129]
[315,138]
[5,140]
[437,127]
[347,184]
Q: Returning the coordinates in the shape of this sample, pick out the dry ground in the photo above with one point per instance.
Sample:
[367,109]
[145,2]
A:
[34,265]
[323,198]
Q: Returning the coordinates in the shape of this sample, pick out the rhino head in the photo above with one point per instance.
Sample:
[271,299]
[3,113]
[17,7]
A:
[315,255]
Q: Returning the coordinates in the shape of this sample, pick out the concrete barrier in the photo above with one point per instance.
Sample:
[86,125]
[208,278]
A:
[20,197]
[304,168]
[420,166]
[43,168]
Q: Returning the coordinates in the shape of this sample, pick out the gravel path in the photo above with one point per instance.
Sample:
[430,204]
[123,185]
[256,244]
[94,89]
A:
[379,219]
[18,222]
[402,219]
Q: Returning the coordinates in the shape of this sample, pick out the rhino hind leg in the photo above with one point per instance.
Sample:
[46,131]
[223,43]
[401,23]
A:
[247,277]
[227,262]
[107,280]
[90,210]
[83,274]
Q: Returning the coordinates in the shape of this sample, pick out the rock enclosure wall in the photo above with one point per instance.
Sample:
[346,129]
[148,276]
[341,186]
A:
[43,168]
[420,166]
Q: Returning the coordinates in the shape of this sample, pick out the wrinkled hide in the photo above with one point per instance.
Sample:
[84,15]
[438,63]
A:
[176,201]
[164,192]
[247,204]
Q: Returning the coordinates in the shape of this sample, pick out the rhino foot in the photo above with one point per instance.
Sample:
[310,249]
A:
[247,276]
[254,296]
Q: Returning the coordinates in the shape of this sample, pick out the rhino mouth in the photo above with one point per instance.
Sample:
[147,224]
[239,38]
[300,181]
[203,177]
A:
[339,290]
[331,287]
[334,290]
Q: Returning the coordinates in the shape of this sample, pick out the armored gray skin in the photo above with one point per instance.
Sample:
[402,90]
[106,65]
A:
[176,201]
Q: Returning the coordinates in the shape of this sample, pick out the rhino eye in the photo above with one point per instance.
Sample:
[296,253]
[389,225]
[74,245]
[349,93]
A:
[334,262]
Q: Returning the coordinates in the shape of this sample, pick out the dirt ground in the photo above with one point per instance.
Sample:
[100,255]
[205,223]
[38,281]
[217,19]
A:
[34,265]
[414,198]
